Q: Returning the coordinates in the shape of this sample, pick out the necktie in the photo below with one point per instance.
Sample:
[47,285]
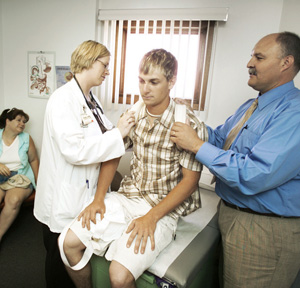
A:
[236,129]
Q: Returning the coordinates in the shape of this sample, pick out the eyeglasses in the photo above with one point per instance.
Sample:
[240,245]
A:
[105,65]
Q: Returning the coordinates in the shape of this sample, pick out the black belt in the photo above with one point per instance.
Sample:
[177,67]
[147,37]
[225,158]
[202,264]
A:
[248,210]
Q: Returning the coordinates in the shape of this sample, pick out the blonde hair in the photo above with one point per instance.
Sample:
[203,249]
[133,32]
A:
[161,59]
[86,54]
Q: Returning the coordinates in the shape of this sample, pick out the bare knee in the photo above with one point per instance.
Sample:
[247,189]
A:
[15,197]
[120,277]
[72,243]
[13,201]
[73,248]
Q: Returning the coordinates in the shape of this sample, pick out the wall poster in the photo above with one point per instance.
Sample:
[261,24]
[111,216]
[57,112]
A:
[63,75]
[41,74]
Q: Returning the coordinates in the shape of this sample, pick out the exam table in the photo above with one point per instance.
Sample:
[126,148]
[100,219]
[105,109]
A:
[191,260]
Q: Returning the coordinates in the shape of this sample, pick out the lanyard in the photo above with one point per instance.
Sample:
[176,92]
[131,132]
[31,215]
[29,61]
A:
[94,106]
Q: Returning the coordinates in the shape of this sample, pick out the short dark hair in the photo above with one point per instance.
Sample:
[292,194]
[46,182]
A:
[11,114]
[290,45]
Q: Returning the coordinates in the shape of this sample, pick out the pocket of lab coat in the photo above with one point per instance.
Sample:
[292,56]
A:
[70,200]
[91,129]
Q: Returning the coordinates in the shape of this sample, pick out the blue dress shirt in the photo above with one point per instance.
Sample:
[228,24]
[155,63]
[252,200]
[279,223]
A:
[261,170]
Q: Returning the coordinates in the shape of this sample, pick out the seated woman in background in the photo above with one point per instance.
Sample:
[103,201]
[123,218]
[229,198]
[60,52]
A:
[18,165]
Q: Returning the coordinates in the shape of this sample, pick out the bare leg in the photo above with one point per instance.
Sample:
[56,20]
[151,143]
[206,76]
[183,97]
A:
[74,250]
[13,201]
[120,277]
[81,278]
[2,194]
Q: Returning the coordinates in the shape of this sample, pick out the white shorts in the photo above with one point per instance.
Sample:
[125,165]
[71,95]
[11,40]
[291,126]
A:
[120,211]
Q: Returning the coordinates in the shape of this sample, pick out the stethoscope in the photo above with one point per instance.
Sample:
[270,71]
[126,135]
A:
[94,106]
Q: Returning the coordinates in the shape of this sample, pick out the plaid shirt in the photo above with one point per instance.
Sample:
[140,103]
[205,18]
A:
[156,161]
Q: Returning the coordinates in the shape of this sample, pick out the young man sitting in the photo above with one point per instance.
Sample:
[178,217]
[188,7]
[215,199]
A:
[139,220]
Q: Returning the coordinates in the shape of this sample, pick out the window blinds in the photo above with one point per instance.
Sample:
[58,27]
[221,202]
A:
[112,26]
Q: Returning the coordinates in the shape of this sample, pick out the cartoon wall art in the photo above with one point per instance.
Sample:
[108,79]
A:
[41,74]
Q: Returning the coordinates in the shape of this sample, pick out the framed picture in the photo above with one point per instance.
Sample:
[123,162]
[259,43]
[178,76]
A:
[63,75]
[41,74]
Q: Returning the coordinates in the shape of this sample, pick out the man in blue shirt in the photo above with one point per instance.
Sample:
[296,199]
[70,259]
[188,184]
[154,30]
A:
[258,177]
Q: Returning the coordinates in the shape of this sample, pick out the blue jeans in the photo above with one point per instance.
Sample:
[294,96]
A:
[5,178]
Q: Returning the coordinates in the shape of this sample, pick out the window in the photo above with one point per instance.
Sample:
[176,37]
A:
[190,41]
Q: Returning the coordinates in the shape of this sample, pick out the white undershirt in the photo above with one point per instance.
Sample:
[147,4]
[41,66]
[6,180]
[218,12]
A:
[10,155]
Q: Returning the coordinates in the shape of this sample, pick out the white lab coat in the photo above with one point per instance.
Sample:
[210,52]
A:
[70,158]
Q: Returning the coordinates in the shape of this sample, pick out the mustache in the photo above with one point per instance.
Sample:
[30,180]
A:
[252,71]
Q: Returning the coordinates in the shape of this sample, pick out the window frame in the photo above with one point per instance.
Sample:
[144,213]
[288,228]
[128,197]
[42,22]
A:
[203,61]
[107,32]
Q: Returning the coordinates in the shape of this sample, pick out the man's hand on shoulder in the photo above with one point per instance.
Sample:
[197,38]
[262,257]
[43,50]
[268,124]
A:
[186,137]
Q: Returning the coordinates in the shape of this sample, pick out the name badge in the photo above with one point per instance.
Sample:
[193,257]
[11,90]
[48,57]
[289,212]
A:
[85,119]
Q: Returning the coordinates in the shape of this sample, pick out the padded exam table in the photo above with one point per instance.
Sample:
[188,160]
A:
[191,260]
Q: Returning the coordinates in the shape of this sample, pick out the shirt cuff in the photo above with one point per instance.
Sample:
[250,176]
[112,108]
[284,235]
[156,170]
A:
[207,154]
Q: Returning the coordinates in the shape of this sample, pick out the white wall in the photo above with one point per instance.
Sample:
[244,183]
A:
[40,25]
[60,25]
[248,22]
[290,21]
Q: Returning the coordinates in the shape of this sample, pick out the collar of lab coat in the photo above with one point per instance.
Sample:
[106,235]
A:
[78,93]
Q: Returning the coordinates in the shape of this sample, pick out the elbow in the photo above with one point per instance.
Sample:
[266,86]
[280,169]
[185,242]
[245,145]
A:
[194,188]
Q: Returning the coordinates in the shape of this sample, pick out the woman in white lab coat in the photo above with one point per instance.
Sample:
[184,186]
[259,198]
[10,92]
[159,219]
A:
[77,138]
